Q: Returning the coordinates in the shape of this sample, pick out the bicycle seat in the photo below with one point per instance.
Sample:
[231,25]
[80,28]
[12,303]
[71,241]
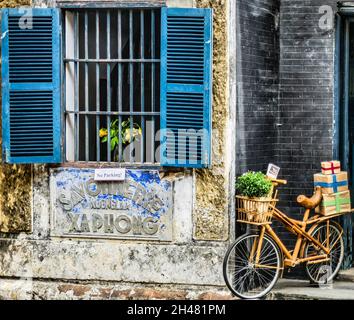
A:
[313,202]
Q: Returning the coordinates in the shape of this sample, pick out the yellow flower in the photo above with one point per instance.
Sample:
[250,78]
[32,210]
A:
[136,132]
[103,132]
[132,134]
[127,135]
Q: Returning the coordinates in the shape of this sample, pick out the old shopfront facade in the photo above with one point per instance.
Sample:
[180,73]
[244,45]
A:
[162,231]
[154,228]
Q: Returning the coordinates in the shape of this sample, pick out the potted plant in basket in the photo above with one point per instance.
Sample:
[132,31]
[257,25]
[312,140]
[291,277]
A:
[255,193]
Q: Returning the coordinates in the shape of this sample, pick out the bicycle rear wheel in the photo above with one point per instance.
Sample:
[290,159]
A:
[324,272]
[243,276]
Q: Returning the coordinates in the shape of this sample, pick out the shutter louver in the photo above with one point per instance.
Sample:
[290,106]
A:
[186,87]
[31,86]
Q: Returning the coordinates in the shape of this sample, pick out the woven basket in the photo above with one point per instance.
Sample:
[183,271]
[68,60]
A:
[255,210]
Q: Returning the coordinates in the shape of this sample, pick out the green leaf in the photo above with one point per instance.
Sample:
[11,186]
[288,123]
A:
[104,139]
[114,143]
[253,184]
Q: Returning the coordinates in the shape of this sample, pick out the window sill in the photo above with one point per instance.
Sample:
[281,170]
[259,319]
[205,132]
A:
[110,4]
[97,165]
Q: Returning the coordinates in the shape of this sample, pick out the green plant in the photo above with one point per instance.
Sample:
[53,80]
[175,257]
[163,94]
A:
[253,184]
[124,134]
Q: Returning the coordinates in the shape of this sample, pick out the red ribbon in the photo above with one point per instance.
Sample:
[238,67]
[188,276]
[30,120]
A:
[332,168]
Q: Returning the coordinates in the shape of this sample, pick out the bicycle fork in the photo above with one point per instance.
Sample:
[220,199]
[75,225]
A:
[257,247]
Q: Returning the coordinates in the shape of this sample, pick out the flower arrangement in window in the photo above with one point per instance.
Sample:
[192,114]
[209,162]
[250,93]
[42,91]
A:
[125,134]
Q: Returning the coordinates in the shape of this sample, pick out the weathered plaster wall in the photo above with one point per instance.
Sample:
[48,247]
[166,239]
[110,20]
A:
[15,180]
[15,198]
[212,186]
[14,3]
[183,262]
[123,263]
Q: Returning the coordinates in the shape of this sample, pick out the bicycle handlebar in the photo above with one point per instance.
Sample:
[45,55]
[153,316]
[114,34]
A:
[278,181]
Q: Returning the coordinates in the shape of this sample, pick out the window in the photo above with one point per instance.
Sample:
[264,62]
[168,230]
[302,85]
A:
[112,74]
[122,76]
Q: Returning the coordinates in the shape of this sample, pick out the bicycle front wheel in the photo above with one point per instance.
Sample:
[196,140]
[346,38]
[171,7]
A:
[245,275]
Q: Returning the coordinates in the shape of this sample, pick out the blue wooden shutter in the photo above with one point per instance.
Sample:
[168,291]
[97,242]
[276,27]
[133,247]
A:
[186,87]
[31,117]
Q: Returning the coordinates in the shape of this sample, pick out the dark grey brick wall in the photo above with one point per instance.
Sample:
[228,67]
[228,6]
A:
[257,83]
[306,76]
[306,96]
[285,91]
[285,87]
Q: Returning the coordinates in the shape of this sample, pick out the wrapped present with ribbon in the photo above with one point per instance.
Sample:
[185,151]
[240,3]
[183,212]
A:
[330,167]
[334,203]
[331,183]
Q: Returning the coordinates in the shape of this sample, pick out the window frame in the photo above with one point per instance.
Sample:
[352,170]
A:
[100,5]
[175,65]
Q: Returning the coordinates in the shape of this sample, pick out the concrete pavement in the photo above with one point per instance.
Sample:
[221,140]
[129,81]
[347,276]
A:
[341,289]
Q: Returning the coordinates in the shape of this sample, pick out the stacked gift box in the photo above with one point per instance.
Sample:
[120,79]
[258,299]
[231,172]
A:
[335,192]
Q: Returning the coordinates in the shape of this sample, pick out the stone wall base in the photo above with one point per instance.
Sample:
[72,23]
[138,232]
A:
[31,289]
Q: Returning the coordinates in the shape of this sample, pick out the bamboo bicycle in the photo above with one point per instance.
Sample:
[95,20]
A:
[255,261]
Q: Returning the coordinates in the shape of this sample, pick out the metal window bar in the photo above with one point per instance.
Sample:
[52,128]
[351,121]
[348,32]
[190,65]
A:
[120,83]
[76,79]
[152,84]
[63,68]
[86,91]
[131,62]
[142,79]
[109,85]
[98,143]
[131,80]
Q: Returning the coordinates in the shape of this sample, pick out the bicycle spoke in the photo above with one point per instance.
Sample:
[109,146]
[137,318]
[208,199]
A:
[325,271]
[269,260]
[244,276]
[267,271]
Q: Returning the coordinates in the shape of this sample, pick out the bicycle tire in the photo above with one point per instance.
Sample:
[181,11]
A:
[235,288]
[329,271]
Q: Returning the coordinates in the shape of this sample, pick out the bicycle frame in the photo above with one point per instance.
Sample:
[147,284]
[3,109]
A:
[298,228]
[255,261]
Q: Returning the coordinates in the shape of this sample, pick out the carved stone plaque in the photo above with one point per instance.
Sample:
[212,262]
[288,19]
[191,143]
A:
[140,207]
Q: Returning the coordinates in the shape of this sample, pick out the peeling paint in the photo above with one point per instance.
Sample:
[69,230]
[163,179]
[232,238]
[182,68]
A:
[15,198]
[14,3]
[4,35]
